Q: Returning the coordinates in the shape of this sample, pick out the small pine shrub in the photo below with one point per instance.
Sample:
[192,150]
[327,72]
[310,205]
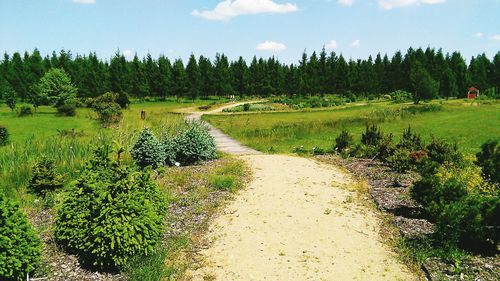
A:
[20,247]
[195,145]
[67,109]
[25,110]
[169,147]
[410,141]
[386,147]
[489,161]
[344,142]
[44,177]
[440,152]
[4,136]
[107,108]
[399,160]
[148,150]
[246,107]
[371,136]
[113,214]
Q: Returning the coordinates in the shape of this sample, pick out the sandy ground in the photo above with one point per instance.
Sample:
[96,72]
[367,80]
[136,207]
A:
[297,220]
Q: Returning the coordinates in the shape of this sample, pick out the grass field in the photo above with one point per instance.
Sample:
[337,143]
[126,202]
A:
[468,124]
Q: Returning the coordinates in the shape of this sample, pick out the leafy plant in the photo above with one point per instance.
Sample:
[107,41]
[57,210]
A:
[123,100]
[107,108]
[148,150]
[67,109]
[10,97]
[113,213]
[194,145]
[55,88]
[400,96]
[344,142]
[4,136]
[20,247]
[25,110]
[371,136]
[489,160]
[44,177]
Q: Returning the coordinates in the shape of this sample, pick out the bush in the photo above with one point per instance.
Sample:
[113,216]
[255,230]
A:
[400,160]
[107,109]
[123,100]
[148,150]
[246,107]
[25,110]
[410,141]
[194,145]
[44,177]
[67,109]
[440,152]
[20,247]
[489,160]
[344,142]
[113,213]
[169,147]
[400,96]
[385,147]
[4,136]
[371,136]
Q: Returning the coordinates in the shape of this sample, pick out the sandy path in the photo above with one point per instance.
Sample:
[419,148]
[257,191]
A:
[297,221]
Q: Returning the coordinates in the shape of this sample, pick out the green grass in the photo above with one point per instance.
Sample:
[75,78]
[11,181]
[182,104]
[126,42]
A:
[457,121]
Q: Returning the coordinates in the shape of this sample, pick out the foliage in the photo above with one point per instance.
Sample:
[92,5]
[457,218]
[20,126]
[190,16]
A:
[123,100]
[440,152]
[55,88]
[24,110]
[148,150]
[4,136]
[44,177]
[20,246]
[399,160]
[194,145]
[489,160]
[410,141]
[401,96]
[107,109]
[113,213]
[424,86]
[385,147]
[246,107]
[10,98]
[170,149]
[344,142]
[67,109]
[372,136]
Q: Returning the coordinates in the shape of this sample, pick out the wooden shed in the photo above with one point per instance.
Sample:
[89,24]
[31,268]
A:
[472,93]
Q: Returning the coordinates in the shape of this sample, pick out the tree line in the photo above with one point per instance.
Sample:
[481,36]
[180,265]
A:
[431,71]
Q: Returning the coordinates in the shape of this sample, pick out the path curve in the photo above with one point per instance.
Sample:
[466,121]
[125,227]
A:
[223,141]
[297,220]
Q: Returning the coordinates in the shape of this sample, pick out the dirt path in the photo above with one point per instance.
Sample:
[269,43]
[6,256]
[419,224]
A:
[297,220]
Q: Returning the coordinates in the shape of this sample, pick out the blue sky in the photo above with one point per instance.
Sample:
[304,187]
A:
[283,28]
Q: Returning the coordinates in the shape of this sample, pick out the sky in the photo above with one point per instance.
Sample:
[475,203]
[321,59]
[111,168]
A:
[280,28]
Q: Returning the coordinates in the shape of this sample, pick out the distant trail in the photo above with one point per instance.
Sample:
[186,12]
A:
[223,141]
[297,220]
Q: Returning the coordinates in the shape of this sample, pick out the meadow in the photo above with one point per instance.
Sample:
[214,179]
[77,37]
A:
[468,124]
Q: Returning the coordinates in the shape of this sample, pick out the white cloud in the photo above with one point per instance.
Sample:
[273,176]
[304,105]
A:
[84,1]
[271,46]
[495,37]
[228,9]
[479,35]
[390,4]
[346,2]
[128,53]
[331,45]
[356,43]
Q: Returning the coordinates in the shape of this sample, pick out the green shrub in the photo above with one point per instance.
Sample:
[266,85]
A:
[4,136]
[113,213]
[371,136]
[169,147]
[386,147]
[400,160]
[440,152]
[432,191]
[20,247]
[194,145]
[489,161]
[107,109]
[148,150]
[25,110]
[67,109]
[44,177]
[410,141]
[123,100]
[246,107]
[400,96]
[344,142]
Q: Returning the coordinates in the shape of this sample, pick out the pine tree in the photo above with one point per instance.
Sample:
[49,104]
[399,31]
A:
[179,79]
[424,87]
[165,77]
[194,77]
